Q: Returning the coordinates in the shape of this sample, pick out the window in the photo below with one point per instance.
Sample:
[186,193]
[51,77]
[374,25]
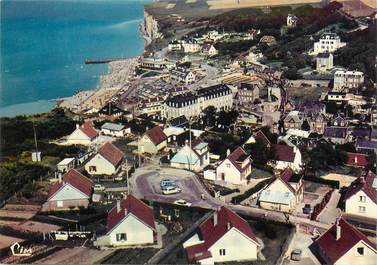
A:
[360,251]
[362,199]
[227,165]
[362,209]
[92,168]
[121,237]
[222,252]
[59,203]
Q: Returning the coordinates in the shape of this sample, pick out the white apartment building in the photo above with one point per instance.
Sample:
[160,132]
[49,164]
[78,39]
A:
[191,46]
[347,79]
[329,42]
[325,61]
[190,104]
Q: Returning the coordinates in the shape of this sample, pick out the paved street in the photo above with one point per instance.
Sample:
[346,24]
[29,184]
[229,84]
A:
[145,183]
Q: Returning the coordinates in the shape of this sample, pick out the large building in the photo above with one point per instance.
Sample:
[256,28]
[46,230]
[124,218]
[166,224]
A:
[347,79]
[329,42]
[192,104]
[325,61]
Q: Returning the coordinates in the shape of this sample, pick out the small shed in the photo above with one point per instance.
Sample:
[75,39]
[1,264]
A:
[66,164]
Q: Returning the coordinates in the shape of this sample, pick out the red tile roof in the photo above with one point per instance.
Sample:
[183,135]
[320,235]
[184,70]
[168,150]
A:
[237,157]
[357,159]
[349,236]
[111,153]
[88,129]
[211,233]
[156,135]
[74,178]
[261,137]
[364,183]
[198,252]
[134,206]
[284,153]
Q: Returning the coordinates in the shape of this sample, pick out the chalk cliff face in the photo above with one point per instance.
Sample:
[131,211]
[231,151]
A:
[151,27]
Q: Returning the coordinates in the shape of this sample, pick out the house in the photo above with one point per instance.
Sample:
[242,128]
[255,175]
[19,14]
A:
[194,158]
[191,46]
[365,146]
[209,50]
[151,105]
[328,42]
[336,135]
[339,121]
[153,141]
[235,168]
[287,156]
[180,121]
[66,164]
[247,93]
[292,21]
[70,191]
[110,110]
[344,244]
[182,75]
[223,237]
[294,120]
[107,161]
[115,129]
[357,160]
[284,193]
[175,45]
[361,196]
[347,79]
[84,134]
[129,223]
[324,61]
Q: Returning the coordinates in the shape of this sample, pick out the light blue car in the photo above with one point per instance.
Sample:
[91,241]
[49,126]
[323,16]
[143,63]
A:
[167,183]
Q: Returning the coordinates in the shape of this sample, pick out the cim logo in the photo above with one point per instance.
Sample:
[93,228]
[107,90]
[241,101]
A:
[18,250]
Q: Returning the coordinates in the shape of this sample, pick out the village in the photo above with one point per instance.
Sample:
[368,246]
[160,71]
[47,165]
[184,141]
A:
[194,154]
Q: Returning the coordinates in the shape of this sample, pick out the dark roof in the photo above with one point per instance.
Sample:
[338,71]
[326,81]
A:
[361,132]
[178,121]
[179,101]
[156,135]
[237,157]
[111,153]
[134,206]
[111,109]
[213,90]
[211,233]
[284,152]
[364,183]
[360,143]
[247,86]
[357,160]
[261,137]
[75,179]
[335,132]
[323,55]
[334,249]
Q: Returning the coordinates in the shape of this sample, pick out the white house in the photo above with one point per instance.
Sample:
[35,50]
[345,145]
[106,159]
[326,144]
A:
[70,191]
[194,158]
[287,156]
[84,134]
[235,168]
[66,164]
[107,161]
[191,46]
[153,141]
[324,61]
[347,79]
[284,193]
[115,129]
[343,244]
[223,237]
[210,50]
[361,196]
[183,75]
[291,21]
[329,42]
[175,45]
[129,223]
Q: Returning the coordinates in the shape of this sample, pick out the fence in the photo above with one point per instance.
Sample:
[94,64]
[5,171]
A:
[320,206]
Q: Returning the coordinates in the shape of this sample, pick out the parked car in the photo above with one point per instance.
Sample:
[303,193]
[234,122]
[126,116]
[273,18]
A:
[296,254]
[307,209]
[99,187]
[183,203]
[167,183]
[170,190]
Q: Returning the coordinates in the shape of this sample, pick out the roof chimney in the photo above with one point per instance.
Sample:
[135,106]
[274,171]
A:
[77,126]
[337,230]
[215,219]
[228,226]
[227,152]
[60,178]
[118,206]
[125,211]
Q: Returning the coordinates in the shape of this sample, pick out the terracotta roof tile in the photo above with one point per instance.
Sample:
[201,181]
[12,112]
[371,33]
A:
[134,206]
[156,135]
[74,178]
[334,249]
[237,157]
[111,153]
[88,129]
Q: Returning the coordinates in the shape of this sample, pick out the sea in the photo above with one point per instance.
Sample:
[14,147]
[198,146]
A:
[44,45]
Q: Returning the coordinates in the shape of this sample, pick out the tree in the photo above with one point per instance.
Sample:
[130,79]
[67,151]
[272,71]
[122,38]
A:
[305,126]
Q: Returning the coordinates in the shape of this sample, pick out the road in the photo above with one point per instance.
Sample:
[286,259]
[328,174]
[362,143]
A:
[145,184]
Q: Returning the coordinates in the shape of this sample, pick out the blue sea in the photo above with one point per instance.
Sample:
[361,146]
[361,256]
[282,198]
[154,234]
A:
[44,45]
